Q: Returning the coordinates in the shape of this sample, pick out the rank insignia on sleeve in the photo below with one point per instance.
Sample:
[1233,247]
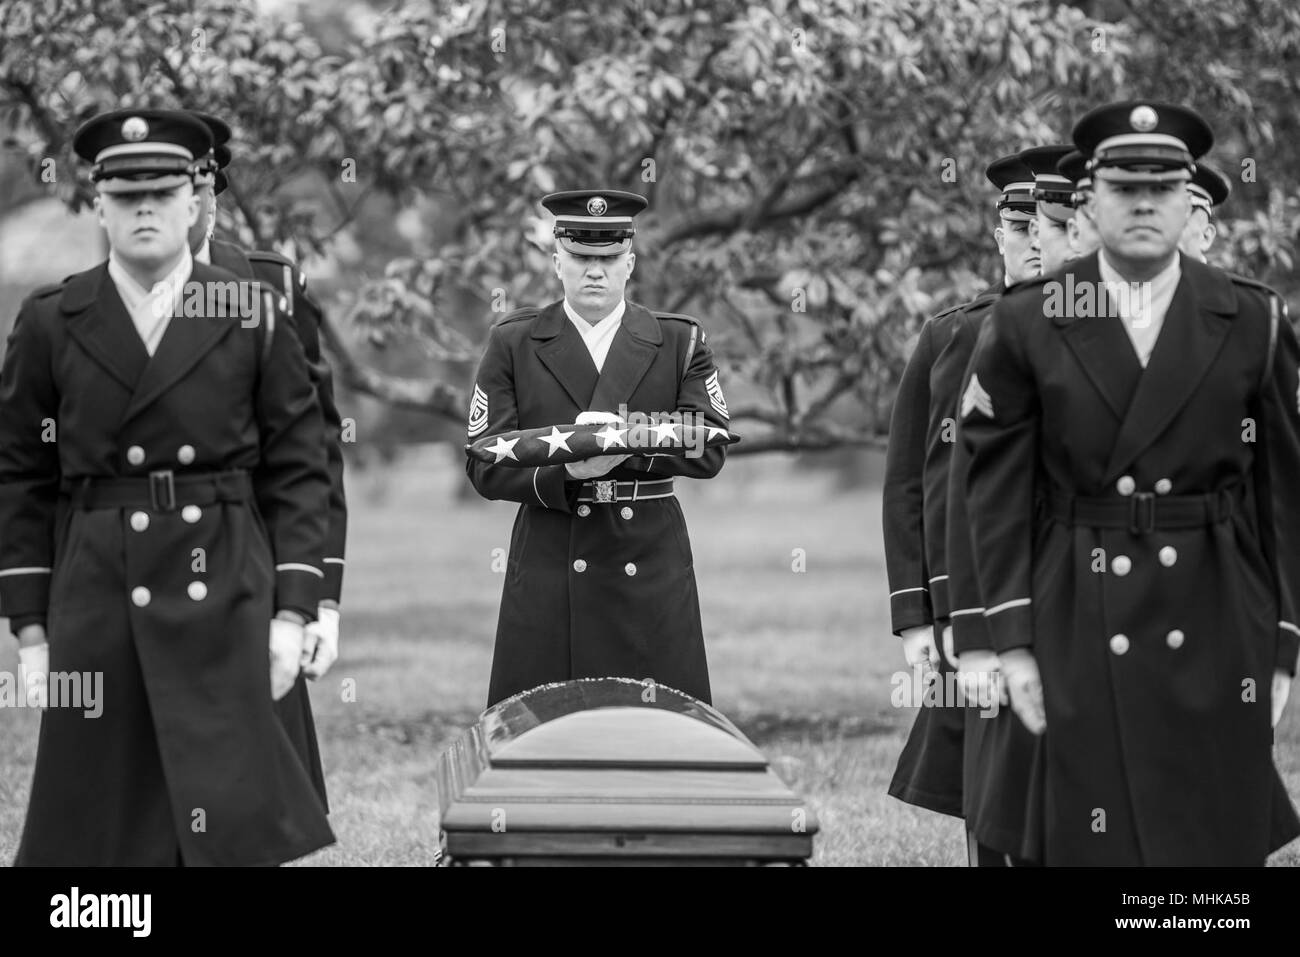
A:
[716,398]
[1297,393]
[976,398]
[478,412]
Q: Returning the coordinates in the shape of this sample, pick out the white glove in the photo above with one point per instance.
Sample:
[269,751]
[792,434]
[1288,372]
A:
[597,465]
[34,674]
[979,678]
[1025,688]
[286,656]
[1281,691]
[918,648]
[320,648]
[948,651]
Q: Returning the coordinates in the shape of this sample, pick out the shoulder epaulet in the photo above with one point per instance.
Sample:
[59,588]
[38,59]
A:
[48,290]
[528,312]
[269,256]
[675,315]
[1253,283]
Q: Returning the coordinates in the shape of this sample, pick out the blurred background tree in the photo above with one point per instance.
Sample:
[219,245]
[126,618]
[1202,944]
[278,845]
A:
[814,167]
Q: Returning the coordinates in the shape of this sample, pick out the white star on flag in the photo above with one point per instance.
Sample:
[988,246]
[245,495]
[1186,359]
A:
[556,440]
[714,432]
[662,431]
[610,436]
[504,449]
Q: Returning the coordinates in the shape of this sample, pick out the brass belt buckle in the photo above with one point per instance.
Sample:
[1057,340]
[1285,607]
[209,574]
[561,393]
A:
[605,491]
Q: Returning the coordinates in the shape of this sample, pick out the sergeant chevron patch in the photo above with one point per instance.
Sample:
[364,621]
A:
[976,398]
[716,398]
[478,412]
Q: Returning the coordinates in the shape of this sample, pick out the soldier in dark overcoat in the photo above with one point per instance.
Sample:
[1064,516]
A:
[922,432]
[1134,438]
[600,578]
[166,534]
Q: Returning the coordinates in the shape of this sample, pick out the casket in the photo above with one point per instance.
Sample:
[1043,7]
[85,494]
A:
[613,770]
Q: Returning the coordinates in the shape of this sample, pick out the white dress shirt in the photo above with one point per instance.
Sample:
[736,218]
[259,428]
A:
[204,255]
[151,310]
[597,336]
[1142,310]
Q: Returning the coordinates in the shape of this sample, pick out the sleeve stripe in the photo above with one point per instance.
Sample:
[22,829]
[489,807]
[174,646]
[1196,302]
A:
[535,490]
[966,611]
[334,561]
[1014,603]
[904,591]
[29,570]
[298,567]
[1288,626]
[938,578]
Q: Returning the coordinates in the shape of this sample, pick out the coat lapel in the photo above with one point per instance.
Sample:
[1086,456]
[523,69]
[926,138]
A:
[187,340]
[630,354]
[1193,332]
[99,323]
[1100,342]
[565,354]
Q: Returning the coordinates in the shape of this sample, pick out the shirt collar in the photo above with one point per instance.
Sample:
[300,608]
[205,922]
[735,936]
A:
[583,325]
[1160,282]
[204,255]
[133,293]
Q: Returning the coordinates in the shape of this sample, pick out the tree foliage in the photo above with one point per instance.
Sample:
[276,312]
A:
[814,167]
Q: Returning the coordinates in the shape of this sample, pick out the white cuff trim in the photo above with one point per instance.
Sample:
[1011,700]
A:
[904,591]
[1281,624]
[297,567]
[29,570]
[966,611]
[1014,603]
[938,578]
[335,561]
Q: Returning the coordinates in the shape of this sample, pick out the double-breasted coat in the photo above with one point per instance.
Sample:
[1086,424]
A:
[1133,528]
[169,596]
[599,589]
[1001,759]
[303,316]
[921,436]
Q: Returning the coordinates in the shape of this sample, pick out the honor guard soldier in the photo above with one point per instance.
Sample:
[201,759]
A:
[599,580]
[929,772]
[1054,204]
[1131,484]
[282,279]
[164,536]
[1208,188]
[1081,229]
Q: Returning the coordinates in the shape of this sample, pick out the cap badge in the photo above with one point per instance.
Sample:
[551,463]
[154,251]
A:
[596,206]
[134,129]
[1143,119]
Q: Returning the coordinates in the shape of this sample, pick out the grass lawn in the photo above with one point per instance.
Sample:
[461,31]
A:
[800,660]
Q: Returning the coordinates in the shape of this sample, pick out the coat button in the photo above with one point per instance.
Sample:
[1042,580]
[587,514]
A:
[141,596]
[185,454]
[579,566]
[1168,555]
[135,455]
[1175,639]
[197,590]
[1126,485]
[1164,487]
[191,514]
[139,521]
[584,511]
[625,512]
[630,568]
[1121,565]
[1119,644]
